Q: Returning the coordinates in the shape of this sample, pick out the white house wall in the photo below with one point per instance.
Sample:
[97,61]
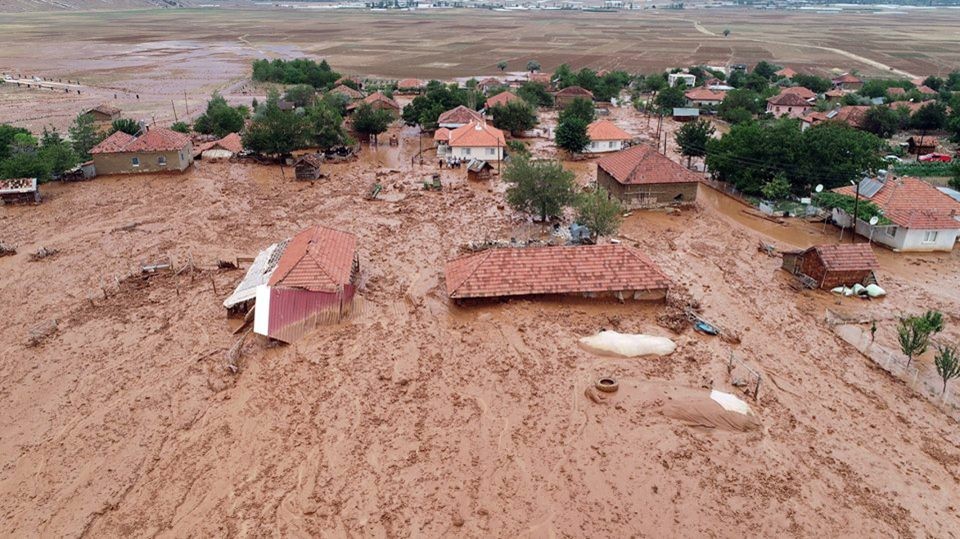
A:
[601,146]
[484,153]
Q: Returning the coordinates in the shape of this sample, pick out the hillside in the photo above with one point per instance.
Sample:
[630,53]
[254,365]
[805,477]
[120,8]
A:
[22,6]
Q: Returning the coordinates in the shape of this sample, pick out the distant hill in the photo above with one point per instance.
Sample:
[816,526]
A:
[21,6]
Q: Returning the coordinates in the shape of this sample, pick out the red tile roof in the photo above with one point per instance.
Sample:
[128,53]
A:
[786,72]
[231,143]
[834,93]
[803,92]
[575,91]
[642,164]
[347,91]
[459,115]
[442,134]
[113,144]
[376,97]
[410,83]
[318,259]
[846,78]
[552,270]
[109,110]
[852,115]
[788,99]
[606,130]
[477,134]
[926,90]
[847,256]
[913,203]
[912,106]
[542,78]
[502,98]
[704,94]
[896,90]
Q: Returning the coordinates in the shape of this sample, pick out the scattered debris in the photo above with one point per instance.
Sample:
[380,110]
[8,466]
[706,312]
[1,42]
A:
[42,332]
[628,345]
[43,252]
[7,250]
[226,265]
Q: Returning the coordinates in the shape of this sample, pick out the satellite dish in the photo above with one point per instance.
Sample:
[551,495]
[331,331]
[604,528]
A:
[874,220]
[818,188]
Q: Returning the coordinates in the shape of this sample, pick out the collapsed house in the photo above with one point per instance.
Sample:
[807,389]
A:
[298,284]
[308,167]
[224,148]
[613,270]
[19,191]
[830,266]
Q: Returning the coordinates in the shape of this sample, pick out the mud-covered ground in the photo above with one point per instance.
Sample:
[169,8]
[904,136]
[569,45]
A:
[420,418]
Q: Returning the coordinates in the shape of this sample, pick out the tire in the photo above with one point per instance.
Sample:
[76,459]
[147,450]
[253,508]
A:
[607,384]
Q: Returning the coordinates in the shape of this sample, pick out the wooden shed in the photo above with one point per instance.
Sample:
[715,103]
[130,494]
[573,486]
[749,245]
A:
[19,191]
[919,145]
[308,167]
[830,266]
[478,169]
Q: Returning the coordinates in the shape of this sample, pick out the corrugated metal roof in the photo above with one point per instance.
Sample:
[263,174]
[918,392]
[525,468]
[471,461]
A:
[258,274]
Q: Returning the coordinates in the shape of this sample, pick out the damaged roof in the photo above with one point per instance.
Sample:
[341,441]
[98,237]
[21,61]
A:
[318,259]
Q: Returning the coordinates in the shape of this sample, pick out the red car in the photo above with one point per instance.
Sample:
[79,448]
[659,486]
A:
[935,158]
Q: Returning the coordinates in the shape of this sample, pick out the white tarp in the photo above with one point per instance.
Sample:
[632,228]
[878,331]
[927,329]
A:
[258,274]
[628,345]
[730,402]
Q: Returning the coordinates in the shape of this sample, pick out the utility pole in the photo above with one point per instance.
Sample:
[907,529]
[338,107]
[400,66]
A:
[172,104]
[185,103]
[856,206]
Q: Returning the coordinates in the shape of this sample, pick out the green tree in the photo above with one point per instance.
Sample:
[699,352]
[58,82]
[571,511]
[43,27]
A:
[514,116]
[517,147]
[692,139]
[7,132]
[670,98]
[955,175]
[833,154]
[181,127]
[881,121]
[326,126]
[765,69]
[726,32]
[812,82]
[536,94]
[599,212]
[301,95]
[276,132]
[563,76]
[25,164]
[57,153]
[930,117]
[947,362]
[578,108]
[533,66]
[538,187]
[437,98]
[127,125]
[298,71]
[776,189]
[913,333]
[571,135]
[735,102]
[84,135]
[502,65]
[220,118]
[369,121]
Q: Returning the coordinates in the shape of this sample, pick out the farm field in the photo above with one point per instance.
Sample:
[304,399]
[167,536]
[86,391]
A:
[182,55]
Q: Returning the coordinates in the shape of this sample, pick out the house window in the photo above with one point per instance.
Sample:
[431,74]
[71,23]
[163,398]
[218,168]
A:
[491,151]
[466,151]
[162,160]
[611,144]
[891,231]
[135,161]
[930,236]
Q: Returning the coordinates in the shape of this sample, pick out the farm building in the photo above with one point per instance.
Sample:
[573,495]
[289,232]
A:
[847,82]
[922,218]
[476,140]
[786,73]
[830,266]
[224,148]
[458,117]
[642,178]
[613,270]
[19,191]
[605,136]
[410,86]
[489,84]
[807,94]
[378,101]
[546,79]
[687,79]
[350,78]
[103,115]
[566,95]
[347,92]
[919,145]
[927,92]
[297,284]
[308,167]
[156,150]
[788,104]
[501,99]
[685,114]
[896,91]
[478,170]
[703,97]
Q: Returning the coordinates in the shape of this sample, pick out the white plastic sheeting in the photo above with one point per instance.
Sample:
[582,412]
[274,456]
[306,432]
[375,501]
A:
[730,402]
[628,345]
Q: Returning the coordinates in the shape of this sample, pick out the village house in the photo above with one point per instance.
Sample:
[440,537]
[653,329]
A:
[610,270]
[458,117]
[378,101]
[852,115]
[830,266]
[922,218]
[788,104]
[410,86]
[19,191]
[566,96]
[347,92]
[308,167]
[155,150]
[685,114]
[476,140]
[352,79]
[605,136]
[927,92]
[489,84]
[103,116]
[833,96]
[786,73]
[847,83]
[643,178]
[300,283]
[501,99]
[896,91]
[546,79]
[224,148]
[704,97]
[687,79]
[806,94]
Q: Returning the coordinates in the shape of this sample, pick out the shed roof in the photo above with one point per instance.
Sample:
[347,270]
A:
[846,256]
[311,160]
[552,270]
[318,259]
[232,143]
[642,164]
[788,99]
[913,203]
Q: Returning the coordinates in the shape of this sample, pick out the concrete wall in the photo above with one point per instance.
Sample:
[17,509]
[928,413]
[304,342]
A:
[122,163]
[485,153]
[648,195]
[601,146]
